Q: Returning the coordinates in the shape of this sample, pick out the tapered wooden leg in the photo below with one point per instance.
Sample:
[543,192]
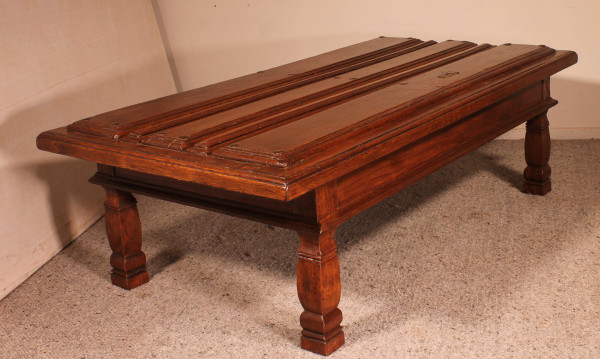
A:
[319,292]
[537,155]
[124,231]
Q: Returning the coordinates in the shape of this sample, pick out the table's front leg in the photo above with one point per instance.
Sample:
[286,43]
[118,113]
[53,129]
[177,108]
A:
[124,231]
[537,155]
[319,292]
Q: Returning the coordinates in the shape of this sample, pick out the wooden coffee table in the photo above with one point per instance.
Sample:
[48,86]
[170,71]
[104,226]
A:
[309,144]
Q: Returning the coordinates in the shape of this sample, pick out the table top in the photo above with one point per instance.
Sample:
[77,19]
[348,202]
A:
[282,132]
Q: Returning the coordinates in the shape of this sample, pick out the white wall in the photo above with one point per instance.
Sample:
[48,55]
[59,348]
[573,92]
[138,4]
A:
[61,61]
[210,41]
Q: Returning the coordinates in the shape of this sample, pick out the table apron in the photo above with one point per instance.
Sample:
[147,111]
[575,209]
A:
[368,185]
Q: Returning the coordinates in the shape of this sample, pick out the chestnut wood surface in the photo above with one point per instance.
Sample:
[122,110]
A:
[309,144]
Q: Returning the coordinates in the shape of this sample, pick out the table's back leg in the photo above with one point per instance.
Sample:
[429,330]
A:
[124,231]
[537,155]
[319,292]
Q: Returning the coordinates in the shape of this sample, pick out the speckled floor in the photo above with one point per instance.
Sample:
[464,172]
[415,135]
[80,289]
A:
[458,265]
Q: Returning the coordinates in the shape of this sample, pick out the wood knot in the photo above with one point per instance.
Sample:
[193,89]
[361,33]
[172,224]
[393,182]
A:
[446,74]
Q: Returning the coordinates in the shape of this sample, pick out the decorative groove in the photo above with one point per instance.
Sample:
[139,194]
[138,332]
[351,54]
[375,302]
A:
[287,158]
[538,127]
[236,127]
[151,124]
[198,114]
[270,123]
[321,258]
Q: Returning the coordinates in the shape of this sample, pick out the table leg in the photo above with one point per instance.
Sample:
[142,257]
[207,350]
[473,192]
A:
[124,231]
[537,155]
[319,292]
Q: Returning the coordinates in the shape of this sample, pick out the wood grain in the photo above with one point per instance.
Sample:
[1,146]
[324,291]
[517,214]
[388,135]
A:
[124,232]
[319,290]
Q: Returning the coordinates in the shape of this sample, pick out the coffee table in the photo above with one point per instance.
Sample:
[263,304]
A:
[309,144]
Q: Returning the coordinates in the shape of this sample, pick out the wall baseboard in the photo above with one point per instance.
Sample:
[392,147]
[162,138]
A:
[580,133]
